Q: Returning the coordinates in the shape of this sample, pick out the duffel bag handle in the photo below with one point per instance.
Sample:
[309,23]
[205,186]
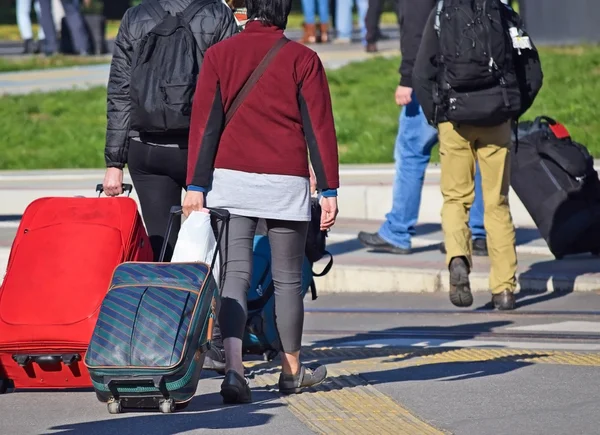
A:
[558,129]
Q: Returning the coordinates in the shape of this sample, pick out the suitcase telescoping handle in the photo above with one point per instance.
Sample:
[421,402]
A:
[67,359]
[127,188]
[176,211]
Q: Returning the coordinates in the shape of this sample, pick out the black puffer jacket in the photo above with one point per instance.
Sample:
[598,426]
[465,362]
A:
[413,16]
[213,23]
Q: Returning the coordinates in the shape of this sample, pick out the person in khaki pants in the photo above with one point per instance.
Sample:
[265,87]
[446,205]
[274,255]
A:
[443,61]
[460,147]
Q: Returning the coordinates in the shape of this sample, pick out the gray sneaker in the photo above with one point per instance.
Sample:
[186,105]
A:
[306,378]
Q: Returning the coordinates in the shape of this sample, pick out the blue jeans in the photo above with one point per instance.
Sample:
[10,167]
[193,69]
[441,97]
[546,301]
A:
[412,152]
[343,18]
[308,9]
[24,19]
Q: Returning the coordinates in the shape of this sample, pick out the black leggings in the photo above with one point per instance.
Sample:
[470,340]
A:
[159,175]
[288,241]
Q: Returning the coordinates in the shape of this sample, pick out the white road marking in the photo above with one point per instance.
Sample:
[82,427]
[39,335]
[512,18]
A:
[568,326]
[433,343]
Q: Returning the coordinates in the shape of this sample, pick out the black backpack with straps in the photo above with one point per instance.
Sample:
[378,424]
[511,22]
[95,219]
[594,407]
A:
[164,72]
[477,82]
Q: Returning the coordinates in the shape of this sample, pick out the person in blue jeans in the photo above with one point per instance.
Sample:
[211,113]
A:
[414,143]
[415,140]
[310,25]
[344,19]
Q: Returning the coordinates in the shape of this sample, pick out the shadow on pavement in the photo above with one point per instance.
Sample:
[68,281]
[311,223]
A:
[205,412]
[450,371]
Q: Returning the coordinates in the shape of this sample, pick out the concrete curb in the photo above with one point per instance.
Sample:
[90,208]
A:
[355,279]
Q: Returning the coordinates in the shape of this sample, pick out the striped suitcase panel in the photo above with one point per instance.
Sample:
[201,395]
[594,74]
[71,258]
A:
[148,315]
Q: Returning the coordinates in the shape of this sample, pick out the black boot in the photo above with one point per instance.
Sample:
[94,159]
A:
[460,287]
[504,301]
[28,46]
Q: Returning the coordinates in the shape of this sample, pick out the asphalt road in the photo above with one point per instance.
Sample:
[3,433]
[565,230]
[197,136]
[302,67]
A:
[464,372]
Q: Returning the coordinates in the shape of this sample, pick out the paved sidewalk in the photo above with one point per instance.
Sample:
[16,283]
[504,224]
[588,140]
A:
[333,56]
[366,193]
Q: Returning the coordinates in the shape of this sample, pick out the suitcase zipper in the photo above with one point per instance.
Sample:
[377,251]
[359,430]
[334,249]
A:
[547,171]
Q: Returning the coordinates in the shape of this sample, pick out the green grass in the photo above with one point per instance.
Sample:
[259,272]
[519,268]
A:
[67,129]
[367,117]
[41,62]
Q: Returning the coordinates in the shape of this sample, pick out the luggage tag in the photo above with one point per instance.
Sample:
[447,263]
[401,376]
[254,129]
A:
[519,42]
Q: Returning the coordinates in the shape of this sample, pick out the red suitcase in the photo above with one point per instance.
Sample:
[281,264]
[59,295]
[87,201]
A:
[60,266]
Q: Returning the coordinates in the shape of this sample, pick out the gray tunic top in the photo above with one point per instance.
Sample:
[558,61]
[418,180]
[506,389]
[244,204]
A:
[267,196]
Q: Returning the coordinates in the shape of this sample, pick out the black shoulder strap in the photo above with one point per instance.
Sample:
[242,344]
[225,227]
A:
[254,77]
[155,9]
[193,8]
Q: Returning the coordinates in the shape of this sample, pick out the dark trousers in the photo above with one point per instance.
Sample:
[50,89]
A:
[159,175]
[287,240]
[374,17]
[74,21]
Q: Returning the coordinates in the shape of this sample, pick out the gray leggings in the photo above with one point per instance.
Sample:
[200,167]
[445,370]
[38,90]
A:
[287,240]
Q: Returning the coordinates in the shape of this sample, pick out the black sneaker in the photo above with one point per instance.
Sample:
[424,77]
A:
[235,389]
[375,242]
[504,301]
[479,248]
[215,359]
[28,46]
[306,378]
[460,288]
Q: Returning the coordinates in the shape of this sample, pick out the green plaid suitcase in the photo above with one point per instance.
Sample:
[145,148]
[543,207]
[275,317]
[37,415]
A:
[152,334]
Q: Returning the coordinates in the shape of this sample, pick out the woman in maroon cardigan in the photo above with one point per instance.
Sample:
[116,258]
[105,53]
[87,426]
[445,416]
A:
[256,166]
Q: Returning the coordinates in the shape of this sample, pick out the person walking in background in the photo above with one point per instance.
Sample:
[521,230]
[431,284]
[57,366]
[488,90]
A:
[472,100]
[257,167]
[344,19]
[310,27]
[412,151]
[25,27]
[74,20]
[372,23]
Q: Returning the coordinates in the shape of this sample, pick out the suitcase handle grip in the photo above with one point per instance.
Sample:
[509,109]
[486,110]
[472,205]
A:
[67,359]
[127,188]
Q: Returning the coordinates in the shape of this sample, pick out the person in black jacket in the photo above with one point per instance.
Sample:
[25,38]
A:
[412,153]
[157,162]
[461,144]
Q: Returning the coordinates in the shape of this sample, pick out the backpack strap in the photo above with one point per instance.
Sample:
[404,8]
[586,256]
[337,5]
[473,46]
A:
[193,8]
[155,9]
[254,77]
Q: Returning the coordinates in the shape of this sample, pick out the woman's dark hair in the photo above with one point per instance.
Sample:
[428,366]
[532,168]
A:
[271,12]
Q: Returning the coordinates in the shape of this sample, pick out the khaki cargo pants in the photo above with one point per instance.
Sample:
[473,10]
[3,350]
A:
[459,147]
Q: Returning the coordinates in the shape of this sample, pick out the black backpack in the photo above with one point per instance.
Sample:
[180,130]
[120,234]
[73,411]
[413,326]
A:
[477,83]
[164,72]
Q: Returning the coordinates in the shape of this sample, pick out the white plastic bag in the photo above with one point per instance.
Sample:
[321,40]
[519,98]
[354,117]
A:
[196,242]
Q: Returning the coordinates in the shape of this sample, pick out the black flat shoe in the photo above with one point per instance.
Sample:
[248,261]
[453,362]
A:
[306,378]
[375,242]
[235,389]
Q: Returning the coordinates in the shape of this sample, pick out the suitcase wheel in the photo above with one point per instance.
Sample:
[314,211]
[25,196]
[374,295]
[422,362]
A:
[114,406]
[167,406]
